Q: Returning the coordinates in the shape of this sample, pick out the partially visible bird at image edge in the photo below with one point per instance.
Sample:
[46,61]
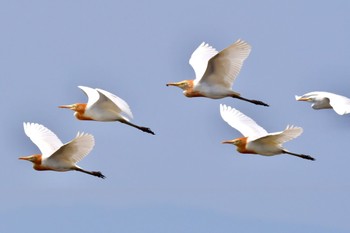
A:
[327,100]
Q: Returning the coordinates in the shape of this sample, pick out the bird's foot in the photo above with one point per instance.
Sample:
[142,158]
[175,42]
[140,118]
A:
[98,174]
[147,130]
[307,157]
[258,102]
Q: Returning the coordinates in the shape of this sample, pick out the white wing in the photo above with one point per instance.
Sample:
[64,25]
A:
[92,94]
[104,105]
[73,151]
[119,102]
[242,123]
[279,138]
[224,67]
[199,59]
[340,104]
[43,138]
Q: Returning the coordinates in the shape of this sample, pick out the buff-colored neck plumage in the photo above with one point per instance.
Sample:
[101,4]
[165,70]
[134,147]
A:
[80,112]
[241,144]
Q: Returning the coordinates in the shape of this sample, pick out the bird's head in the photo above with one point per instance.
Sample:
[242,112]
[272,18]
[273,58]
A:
[236,142]
[241,144]
[36,159]
[79,110]
[75,107]
[318,99]
[184,85]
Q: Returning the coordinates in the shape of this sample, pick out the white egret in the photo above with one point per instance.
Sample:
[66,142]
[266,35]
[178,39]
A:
[103,106]
[325,100]
[55,155]
[257,140]
[216,71]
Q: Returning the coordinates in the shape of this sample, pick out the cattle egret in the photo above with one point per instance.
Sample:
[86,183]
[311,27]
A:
[216,71]
[324,100]
[57,156]
[257,140]
[104,106]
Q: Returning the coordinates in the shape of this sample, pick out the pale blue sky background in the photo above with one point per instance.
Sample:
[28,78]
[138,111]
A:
[183,179]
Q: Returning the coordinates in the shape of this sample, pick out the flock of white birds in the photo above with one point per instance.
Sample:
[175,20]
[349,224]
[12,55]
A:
[215,73]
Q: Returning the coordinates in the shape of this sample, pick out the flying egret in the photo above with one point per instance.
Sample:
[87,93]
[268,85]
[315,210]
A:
[57,156]
[324,100]
[257,140]
[216,71]
[104,106]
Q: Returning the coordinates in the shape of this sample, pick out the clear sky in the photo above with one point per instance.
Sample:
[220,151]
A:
[182,179]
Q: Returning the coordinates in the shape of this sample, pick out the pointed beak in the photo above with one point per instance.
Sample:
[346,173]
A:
[24,158]
[66,106]
[300,98]
[227,142]
[172,84]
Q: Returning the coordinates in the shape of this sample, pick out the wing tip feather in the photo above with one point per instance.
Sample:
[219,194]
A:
[295,129]
[86,135]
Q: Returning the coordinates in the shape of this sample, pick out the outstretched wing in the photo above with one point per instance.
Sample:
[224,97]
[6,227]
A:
[43,138]
[199,59]
[242,123]
[279,138]
[224,67]
[73,151]
[119,102]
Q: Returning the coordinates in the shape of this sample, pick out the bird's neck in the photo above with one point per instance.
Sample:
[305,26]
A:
[189,90]
[37,162]
[242,146]
[80,112]
[82,116]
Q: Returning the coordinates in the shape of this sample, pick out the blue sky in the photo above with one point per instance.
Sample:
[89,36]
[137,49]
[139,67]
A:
[182,179]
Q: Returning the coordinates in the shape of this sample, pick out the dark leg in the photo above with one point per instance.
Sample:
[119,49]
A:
[257,102]
[144,129]
[94,173]
[299,155]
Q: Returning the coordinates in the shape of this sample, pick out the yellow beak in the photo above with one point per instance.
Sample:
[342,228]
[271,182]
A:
[300,98]
[303,99]
[25,158]
[227,142]
[173,84]
[71,106]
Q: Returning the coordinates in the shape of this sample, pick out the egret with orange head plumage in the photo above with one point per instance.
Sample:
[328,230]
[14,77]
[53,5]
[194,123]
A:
[216,71]
[257,140]
[55,155]
[103,106]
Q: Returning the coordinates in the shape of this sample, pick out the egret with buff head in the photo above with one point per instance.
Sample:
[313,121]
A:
[55,155]
[104,106]
[216,71]
[257,140]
